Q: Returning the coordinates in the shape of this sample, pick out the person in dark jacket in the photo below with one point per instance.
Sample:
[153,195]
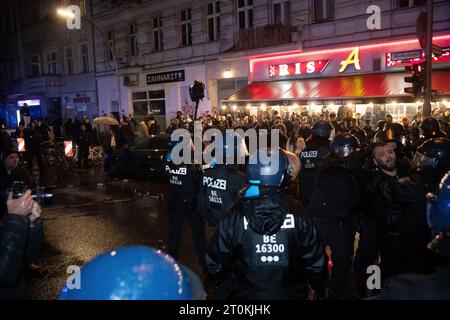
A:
[266,246]
[392,218]
[33,140]
[21,233]
[9,173]
[83,142]
[153,126]
[434,286]
[5,139]
[316,149]
[334,212]
[183,179]
[221,182]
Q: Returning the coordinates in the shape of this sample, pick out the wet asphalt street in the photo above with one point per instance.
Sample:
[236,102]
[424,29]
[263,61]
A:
[91,214]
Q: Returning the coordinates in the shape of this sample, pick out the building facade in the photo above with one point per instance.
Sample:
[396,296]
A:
[144,54]
[54,66]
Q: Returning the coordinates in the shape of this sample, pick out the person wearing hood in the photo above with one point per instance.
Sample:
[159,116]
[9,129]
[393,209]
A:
[266,246]
[434,286]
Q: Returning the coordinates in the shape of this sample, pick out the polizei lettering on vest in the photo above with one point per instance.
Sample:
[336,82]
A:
[215,183]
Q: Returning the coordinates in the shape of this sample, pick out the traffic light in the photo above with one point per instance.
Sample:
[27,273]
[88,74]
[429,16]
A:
[417,79]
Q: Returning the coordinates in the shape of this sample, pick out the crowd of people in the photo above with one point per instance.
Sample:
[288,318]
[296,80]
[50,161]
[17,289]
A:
[360,185]
[349,192]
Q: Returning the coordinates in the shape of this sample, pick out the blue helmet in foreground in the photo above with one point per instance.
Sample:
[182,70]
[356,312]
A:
[134,273]
[438,216]
[266,168]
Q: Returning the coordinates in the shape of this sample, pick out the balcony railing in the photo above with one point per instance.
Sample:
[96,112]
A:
[266,36]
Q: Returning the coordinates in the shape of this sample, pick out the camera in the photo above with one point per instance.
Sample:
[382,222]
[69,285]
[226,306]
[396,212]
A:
[39,194]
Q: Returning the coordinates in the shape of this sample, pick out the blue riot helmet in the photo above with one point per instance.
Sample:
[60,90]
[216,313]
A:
[434,153]
[438,216]
[266,168]
[134,273]
[344,144]
[322,129]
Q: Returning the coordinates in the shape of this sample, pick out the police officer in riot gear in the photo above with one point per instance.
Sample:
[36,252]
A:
[183,187]
[430,128]
[221,183]
[431,161]
[433,286]
[361,135]
[393,134]
[316,149]
[334,212]
[266,247]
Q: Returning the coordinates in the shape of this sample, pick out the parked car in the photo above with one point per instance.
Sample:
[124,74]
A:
[143,158]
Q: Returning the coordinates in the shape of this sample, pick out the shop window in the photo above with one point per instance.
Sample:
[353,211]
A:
[149,103]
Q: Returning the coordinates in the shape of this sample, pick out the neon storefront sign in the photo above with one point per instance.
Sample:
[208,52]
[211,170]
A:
[297,68]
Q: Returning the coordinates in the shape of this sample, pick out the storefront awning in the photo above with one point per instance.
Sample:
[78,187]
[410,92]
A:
[377,88]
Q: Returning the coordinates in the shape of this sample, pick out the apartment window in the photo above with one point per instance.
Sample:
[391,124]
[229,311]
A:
[132,40]
[110,45]
[69,60]
[11,70]
[245,14]
[281,12]
[2,30]
[322,9]
[10,22]
[52,63]
[157,34]
[35,64]
[82,5]
[213,18]
[84,58]
[408,3]
[186,27]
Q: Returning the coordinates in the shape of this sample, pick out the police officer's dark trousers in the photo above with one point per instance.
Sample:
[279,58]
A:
[339,235]
[176,213]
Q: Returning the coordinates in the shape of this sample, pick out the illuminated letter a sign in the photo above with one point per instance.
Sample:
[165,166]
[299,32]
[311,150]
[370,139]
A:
[353,58]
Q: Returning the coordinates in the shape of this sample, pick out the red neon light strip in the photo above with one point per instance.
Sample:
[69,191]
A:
[369,46]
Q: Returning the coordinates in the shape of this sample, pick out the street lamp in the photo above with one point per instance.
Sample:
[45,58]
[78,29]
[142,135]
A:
[68,14]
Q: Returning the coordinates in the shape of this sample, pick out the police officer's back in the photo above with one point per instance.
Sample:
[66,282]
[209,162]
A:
[183,182]
[333,205]
[266,246]
[316,149]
